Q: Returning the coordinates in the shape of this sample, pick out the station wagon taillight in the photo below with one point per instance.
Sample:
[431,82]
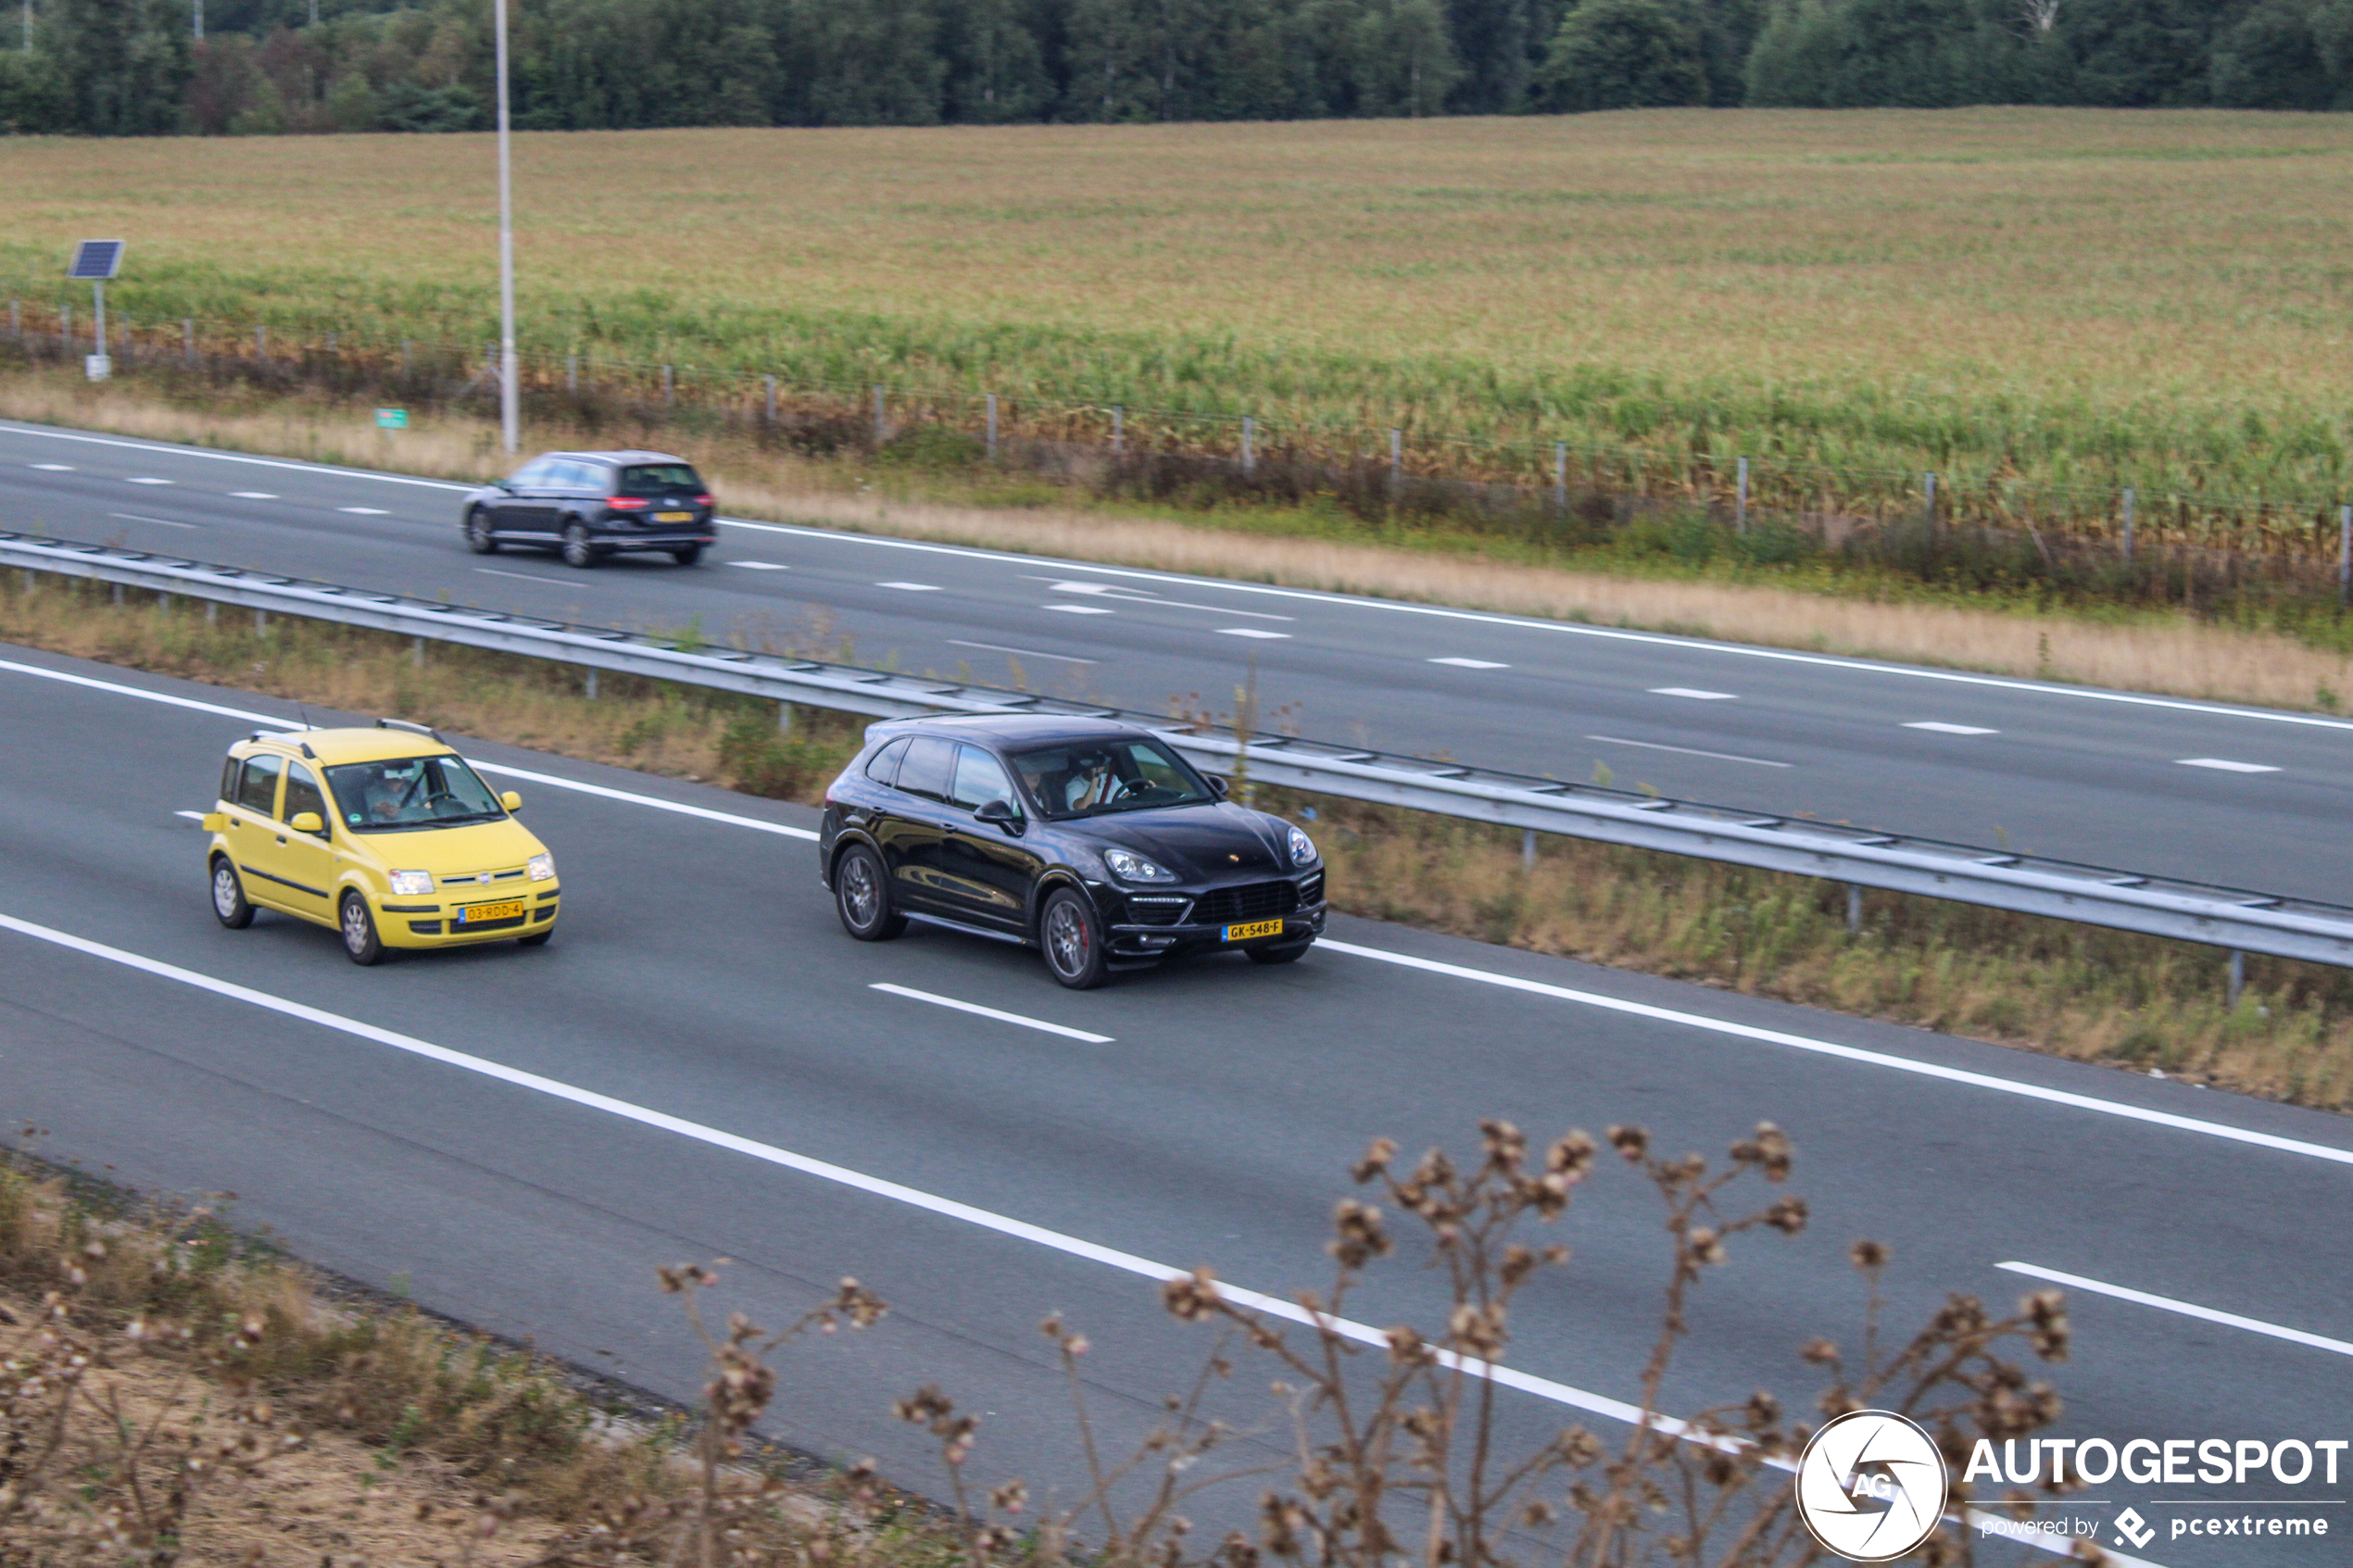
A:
[626,503]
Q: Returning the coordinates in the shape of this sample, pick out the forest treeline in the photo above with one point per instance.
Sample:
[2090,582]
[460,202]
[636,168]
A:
[262,66]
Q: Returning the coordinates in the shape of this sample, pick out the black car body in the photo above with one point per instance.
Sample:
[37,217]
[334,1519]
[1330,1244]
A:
[591,505]
[1088,838]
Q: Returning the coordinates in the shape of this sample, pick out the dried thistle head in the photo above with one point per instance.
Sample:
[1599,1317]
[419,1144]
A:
[1375,1164]
[1193,1296]
[1706,1246]
[2045,1312]
[1505,1145]
[1632,1143]
[1787,1214]
[1867,1255]
[1357,1234]
[1768,1150]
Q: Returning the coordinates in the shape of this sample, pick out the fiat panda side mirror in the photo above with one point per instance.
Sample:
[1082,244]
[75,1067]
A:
[511,801]
[1001,813]
[306,822]
[1218,784]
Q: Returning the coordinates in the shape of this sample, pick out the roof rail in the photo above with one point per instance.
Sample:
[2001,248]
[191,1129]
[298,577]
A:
[414,729]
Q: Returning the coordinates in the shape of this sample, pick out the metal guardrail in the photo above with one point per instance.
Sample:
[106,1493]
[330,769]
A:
[2224,917]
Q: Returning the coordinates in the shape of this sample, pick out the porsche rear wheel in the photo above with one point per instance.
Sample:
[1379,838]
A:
[861,896]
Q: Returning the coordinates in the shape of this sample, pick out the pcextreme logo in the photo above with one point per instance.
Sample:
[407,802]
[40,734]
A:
[1871,1486]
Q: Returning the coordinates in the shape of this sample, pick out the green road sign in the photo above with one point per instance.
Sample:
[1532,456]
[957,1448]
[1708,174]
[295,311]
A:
[392,418]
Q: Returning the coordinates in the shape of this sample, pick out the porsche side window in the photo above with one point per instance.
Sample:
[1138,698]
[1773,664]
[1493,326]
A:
[884,768]
[980,779]
[925,771]
[257,787]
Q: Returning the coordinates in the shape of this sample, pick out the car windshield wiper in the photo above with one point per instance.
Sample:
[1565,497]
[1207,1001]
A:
[465,817]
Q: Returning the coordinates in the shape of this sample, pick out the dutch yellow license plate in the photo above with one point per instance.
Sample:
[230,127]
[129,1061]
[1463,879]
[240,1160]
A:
[1254,928]
[673,517]
[474,914]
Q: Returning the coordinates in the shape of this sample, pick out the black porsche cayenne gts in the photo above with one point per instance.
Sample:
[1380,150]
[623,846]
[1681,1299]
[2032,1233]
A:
[1088,838]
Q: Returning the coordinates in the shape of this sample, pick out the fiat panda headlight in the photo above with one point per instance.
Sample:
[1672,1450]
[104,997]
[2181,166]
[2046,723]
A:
[1303,848]
[542,867]
[412,884]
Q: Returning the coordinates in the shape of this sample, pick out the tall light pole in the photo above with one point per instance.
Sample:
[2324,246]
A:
[510,403]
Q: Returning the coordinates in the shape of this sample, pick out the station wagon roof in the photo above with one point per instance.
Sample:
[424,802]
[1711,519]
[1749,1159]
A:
[1013,729]
[623,456]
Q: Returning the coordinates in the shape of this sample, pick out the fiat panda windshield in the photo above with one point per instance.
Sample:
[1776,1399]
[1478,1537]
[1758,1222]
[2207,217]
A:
[1092,777]
[412,792]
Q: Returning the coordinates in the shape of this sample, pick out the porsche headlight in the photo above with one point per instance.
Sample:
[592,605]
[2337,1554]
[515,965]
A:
[1303,848]
[542,867]
[412,884]
[1135,868]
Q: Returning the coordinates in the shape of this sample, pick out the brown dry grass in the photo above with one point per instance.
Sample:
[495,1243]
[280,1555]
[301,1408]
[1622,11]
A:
[2161,652]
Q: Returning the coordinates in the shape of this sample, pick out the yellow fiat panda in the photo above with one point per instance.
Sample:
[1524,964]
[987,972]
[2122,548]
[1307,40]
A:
[383,834]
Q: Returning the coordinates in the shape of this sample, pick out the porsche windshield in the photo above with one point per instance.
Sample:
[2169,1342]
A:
[410,792]
[1086,778]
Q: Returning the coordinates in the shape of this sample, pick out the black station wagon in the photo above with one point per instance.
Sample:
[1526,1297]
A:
[1089,839]
[591,505]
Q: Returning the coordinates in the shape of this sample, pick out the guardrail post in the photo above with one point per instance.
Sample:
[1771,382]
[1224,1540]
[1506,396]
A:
[1853,908]
[1528,849]
[1250,458]
[588,687]
[117,596]
[163,603]
[2238,977]
[212,611]
[1740,501]
[417,652]
[784,718]
[992,427]
[1119,430]
[2128,525]
[261,622]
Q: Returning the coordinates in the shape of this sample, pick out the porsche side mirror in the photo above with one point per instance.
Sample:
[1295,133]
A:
[1218,784]
[1000,813]
[511,801]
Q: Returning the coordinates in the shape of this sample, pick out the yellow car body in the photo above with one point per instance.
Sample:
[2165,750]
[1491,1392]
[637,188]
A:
[384,834]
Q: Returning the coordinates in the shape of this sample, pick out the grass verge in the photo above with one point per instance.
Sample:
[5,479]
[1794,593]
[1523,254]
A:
[2135,1002]
[1641,582]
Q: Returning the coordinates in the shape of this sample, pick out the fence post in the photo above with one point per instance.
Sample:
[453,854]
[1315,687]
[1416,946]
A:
[65,327]
[188,339]
[882,433]
[331,343]
[1560,477]
[16,318]
[1249,447]
[668,386]
[1740,501]
[2128,525]
[772,400]
[571,371]
[1396,462]
[992,427]
[2344,553]
[1929,490]
[1119,430]
[261,343]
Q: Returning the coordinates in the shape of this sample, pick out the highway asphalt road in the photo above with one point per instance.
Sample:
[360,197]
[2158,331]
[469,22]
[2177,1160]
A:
[701,1065]
[2246,798]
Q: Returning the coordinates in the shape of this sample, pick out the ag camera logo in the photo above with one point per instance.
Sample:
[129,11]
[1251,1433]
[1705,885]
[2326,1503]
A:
[1871,1486]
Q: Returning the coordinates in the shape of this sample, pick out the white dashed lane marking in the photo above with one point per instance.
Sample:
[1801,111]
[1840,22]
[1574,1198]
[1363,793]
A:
[1020,653]
[1691,751]
[148,481]
[1944,729]
[911,587]
[1695,693]
[55,468]
[1079,610]
[1248,631]
[759,565]
[1471,663]
[254,494]
[977,1009]
[362,511]
[135,517]
[2224,765]
[2187,1308]
[521,576]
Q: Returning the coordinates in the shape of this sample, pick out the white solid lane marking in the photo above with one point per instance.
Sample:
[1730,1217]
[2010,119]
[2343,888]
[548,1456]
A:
[363,512]
[1695,693]
[2223,764]
[1080,609]
[148,481]
[1847,1053]
[911,587]
[135,517]
[757,565]
[253,495]
[1250,631]
[280,722]
[2187,1308]
[54,468]
[1136,596]
[191,816]
[1691,751]
[163,450]
[522,576]
[1944,729]
[1024,653]
[1471,663]
[975,1007]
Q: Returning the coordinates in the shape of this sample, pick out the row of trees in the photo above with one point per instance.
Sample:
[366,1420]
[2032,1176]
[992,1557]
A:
[134,67]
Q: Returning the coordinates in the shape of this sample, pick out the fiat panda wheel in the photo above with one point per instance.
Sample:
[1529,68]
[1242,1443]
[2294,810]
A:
[360,943]
[228,896]
[861,896]
[1073,939]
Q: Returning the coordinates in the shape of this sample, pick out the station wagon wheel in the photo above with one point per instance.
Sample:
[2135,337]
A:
[578,551]
[478,537]
[861,896]
[228,896]
[687,555]
[361,941]
[1073,938]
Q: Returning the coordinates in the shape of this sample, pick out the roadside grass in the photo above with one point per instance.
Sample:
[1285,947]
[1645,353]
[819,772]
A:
[2304,662]
[2133,1002]
[2028,296]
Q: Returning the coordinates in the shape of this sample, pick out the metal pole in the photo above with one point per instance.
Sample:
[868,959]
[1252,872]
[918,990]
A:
[668,386]
[571,369]
[992,427]
[1250,458]
[1560,476]
[2344,553]
[1118,429]
[1930,492]
[510,393]
[262,343]
[1853,908]
[772,400]
[880,435]
[784,718]
[2128,524]
[1396,461]
[98,306]
[1528,849]
[2238,977]
[188,338]
[1740,502]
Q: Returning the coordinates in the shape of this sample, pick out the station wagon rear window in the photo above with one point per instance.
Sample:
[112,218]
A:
[660,478]
[410,792]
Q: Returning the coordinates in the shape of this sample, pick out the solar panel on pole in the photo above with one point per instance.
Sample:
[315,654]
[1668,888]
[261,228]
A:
[95,261]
